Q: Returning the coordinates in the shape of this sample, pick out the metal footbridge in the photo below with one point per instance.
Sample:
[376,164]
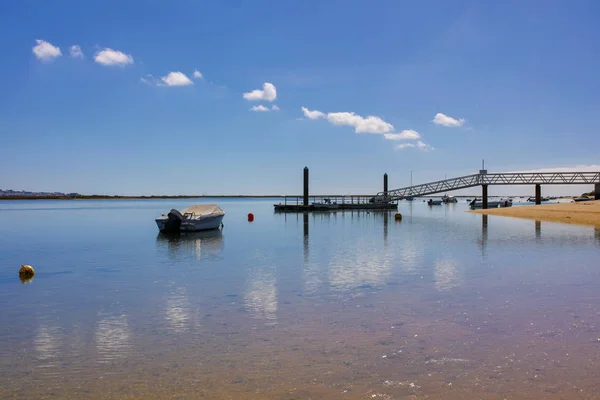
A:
[484,179]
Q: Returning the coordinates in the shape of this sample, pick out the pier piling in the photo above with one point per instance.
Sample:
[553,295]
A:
[484,196]
[538,194]
[306,186]
[597,191]
[385,184]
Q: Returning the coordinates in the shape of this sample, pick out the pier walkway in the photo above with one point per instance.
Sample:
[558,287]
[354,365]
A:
[484,179]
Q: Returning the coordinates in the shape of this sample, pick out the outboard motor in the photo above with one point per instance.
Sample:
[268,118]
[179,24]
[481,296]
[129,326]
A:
[174,222]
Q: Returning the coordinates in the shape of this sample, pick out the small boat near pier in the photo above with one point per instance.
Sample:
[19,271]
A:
[200,217]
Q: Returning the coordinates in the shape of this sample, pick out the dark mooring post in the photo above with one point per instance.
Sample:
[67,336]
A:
[597,191]
[385,185]
[306,186]
[484,196]
[538,194]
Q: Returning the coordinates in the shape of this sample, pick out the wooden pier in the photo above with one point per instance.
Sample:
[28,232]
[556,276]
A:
[332,203]
[388,199]
[306,203]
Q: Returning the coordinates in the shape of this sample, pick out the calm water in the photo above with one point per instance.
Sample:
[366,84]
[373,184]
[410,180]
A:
[346,305]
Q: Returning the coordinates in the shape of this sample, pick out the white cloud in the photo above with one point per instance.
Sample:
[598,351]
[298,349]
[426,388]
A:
[75,51]
[113,57]
[177,79]
[197,74]
[444,120]
[419,145]
[259,108]
[45,51]
[269,93]
[312,114]
[370,124]
[407,134]
[275,107]
[424,146]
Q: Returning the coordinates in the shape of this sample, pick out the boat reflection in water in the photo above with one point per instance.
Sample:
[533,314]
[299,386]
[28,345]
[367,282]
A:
[199,245]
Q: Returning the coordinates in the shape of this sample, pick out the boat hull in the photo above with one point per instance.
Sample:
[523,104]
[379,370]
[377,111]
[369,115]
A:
[190,225]
[491,204]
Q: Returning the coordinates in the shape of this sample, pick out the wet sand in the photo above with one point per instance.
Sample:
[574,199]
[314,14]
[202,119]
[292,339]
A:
[580,213]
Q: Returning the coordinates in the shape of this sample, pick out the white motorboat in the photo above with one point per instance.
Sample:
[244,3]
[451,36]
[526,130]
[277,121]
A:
[196,218]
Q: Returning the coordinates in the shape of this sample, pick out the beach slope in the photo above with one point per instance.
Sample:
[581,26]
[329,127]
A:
[581,213]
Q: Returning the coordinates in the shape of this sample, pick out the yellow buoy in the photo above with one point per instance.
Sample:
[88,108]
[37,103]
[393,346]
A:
[398,216]
[26,271]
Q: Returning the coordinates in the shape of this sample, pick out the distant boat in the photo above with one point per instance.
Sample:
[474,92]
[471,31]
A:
[432,202]
[476,203]
[196,218]
[449,199]
[505,203]
[582,199]
[532,199]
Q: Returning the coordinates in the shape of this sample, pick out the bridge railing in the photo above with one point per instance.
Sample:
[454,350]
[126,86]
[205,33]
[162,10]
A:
[433,187]
[509,178]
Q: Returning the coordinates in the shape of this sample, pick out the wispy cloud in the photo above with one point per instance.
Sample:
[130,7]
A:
[407,134]
[45,51]
[259,108]
[275,107]
[148,79]
[269,93]
[312,114]
[197,74]
[445,120]
[75,51]
[418,145]
[176,79]
[112,57]
[369,124]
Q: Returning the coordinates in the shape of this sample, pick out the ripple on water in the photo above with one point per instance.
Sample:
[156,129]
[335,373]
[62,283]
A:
[177,310]
[113,338]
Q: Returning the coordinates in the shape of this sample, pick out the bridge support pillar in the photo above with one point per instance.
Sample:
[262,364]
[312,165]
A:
[484,196]
[538,194]
[597,191]
[306,186]
[385,184]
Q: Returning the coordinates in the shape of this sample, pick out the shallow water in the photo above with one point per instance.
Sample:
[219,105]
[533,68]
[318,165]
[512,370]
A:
[350,305]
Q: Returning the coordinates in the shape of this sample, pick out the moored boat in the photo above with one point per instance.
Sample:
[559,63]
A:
[195,218]
[449,199]
[476,203]
[505,203]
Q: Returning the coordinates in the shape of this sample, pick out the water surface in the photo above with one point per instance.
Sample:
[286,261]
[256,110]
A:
[348,305]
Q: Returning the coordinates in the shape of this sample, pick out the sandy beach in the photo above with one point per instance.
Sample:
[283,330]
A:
[582,213]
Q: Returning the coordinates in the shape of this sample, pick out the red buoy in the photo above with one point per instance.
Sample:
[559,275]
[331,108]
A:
[250,217]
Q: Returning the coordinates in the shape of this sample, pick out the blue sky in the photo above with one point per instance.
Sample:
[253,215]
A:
[514,82]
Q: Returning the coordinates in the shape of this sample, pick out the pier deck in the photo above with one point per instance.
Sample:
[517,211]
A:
[332,203]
